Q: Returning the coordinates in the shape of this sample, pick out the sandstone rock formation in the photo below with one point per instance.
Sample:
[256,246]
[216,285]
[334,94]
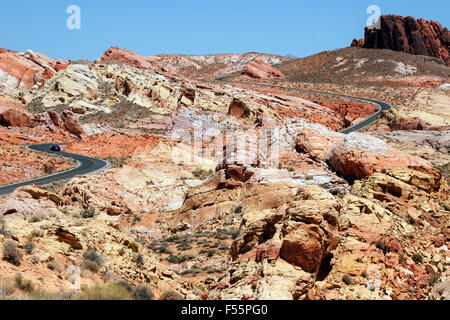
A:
[199,66]
[409,35]
[260,69]
[27,70]
[359,155]
[15,117]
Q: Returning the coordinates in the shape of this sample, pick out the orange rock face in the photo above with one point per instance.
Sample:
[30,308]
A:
[359,155]
[113,145]
[23,71]
[15,117]
[258,68]
[351,112]
[128,57]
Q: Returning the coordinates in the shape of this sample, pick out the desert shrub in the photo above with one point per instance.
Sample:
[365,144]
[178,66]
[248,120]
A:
[87,212]
[143,293]
[38,217]
[380,245]
[117,162]
[133,246]
[417,258]
[11,253]
[347,279]
[90,265]
[29,247]
[139,260]
[164,249]
[434,278]
[36,233]
[171,295]
[238,209]
[211,252]
[125,284]
[54,266]
[22,284]
[49,168]
[3,227]
[94,256]
[136,219]
[37,294]
[180,259]
[201,174]
[105,292]
[6,290]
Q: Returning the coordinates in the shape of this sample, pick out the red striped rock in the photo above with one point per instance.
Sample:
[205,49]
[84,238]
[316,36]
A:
[258,68]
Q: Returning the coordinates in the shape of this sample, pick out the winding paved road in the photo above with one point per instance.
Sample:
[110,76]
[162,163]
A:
[368,121]
[88,165]
[85,166]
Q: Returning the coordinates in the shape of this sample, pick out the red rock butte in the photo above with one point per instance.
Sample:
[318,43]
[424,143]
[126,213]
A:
[406,34]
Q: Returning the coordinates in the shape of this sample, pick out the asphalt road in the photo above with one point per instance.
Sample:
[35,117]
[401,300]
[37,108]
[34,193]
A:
[368,121]
[85,166]
[88,165]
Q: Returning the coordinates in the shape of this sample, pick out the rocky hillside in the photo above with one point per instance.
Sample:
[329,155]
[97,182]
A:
[194,66]
[419,37]
[215,191]
[350,65]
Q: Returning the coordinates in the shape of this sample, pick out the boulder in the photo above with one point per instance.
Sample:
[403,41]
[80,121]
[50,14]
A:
[72,124]
[239,109]
[258,68]
[15,117]
[360,155]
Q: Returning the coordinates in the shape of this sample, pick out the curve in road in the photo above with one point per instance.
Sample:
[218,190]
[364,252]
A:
[86,165]
[382,106]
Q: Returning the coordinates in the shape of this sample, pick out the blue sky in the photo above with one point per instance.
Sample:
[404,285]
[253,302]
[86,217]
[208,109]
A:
[150,27]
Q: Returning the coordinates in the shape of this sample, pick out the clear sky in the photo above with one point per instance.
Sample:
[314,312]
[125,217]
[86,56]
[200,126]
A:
[296,27]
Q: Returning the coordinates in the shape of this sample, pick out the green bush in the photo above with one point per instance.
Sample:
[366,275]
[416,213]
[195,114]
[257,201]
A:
[133,246]
[211,252]
[434,278]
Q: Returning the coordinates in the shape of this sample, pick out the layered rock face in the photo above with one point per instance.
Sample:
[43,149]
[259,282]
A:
[260,69]
[409,35]
[27,70]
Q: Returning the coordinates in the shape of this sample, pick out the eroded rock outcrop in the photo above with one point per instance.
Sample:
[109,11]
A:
[258,68]
[27,70]
[419,37]
[360,155]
